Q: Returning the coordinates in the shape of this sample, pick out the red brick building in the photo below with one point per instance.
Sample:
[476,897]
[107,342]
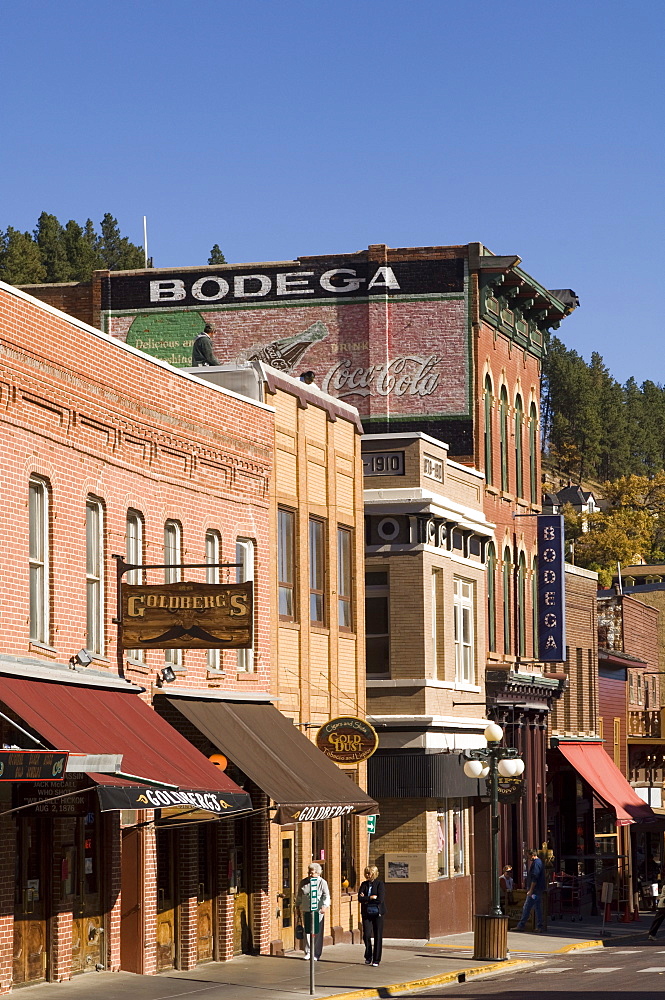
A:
[444,340]
[108,451]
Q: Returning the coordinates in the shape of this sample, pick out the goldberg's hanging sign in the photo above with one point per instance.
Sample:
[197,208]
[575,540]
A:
[347,740]
[551,588]
[187,616]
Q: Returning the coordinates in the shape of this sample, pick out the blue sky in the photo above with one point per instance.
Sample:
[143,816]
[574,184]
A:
[279,128]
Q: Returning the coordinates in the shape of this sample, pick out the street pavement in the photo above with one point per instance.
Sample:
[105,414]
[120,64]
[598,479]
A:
[407,968]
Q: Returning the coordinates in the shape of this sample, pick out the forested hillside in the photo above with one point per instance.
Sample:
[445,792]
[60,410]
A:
[594,428]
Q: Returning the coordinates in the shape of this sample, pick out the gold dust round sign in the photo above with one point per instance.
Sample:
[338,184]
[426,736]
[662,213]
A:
[347,740]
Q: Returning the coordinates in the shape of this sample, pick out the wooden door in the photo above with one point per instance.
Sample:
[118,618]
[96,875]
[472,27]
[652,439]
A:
[242,937]
[30,951]
[166,900]
[131,919]
[287,891]
[205,920]
[88,949]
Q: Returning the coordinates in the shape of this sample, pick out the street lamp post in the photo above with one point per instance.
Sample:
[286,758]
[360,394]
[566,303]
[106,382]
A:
[491,938]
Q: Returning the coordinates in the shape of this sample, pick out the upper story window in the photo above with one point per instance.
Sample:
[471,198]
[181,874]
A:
[213,546]
[94,575]
[437,612]
[521,605]
[491,597]
[519,448]
[286,563]
[134,556]
[344,578]
[534,606]
[503,431]
[377,624]
[487,401]
[507,578]
[533,453]
[172,574]
[464,615]
[245,573]
[38,560]
[317,571]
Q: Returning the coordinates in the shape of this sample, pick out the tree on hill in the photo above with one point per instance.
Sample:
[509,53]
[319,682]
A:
[20,259]
[216,256]
[54,252]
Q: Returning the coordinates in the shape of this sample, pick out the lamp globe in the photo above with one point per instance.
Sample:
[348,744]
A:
[473,768]
[519,765]
[493,733]
[506,768]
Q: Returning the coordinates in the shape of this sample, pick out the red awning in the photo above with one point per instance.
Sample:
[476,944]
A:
[100,720]
[596,766]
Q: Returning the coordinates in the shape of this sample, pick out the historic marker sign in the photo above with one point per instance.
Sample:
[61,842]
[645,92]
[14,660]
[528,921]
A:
[32,765]
[187,616]
[347,740]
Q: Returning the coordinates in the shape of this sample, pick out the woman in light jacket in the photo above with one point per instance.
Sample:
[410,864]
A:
[372,908]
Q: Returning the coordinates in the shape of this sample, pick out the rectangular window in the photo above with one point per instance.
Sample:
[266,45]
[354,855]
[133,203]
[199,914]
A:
[94,575]
[317,575]
[458,835]
[442,838]
[286,563]
[213,558]
[245,573]
[438,658]
[38,559]
[377,625]
[344,577]
[463,610]
[134,556]
[172,574]
[617,742]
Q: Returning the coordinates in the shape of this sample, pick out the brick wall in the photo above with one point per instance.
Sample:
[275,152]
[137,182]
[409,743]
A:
[576,712]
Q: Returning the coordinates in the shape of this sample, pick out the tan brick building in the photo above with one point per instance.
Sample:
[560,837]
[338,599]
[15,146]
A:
[426,536]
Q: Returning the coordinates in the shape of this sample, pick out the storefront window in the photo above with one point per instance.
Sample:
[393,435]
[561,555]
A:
[442,838]
[458,833]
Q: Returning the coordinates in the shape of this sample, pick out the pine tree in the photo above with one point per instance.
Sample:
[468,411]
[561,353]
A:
[115,251]
[20,259]
[81,248]
[216,256]
[50,238]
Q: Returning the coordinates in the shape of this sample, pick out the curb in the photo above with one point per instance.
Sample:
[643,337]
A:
[579,946]
[417,984]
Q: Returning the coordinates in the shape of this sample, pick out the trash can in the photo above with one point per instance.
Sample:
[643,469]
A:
[490,937]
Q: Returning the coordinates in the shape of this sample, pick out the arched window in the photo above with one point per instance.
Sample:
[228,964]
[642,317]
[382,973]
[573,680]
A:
[507,578]
[503,431]
[489,475]
[521,605]
[534,607]
[491,597]
[519,450]
[533,453]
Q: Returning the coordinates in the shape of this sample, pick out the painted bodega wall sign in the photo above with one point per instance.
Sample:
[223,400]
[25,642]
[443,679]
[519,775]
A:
[389,338]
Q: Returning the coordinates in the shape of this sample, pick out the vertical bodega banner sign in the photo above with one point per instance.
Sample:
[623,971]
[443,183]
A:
[551,589]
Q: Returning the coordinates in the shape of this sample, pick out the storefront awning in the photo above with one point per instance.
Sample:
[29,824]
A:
[160,768]
[302,782]
[596,766]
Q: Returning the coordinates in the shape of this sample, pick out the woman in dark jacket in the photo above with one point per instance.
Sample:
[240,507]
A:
[372,907]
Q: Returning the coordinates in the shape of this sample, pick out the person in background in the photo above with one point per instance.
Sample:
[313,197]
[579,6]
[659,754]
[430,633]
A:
[660,915]
[202,352]
[534,893]
[308,378]
[372,908]
[507,884]
[303,906]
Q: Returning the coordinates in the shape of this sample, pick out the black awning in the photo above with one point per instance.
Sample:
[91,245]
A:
[302,782]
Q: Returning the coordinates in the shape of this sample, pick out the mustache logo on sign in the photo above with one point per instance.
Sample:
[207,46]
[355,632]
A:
[194,631]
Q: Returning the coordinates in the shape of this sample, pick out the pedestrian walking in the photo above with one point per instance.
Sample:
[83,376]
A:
[660,915]
[372,908]
[202,352]
[303,906]
[534,893]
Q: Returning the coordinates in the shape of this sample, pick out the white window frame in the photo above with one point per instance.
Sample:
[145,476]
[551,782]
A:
[245,573]
[213,546]
[442,822]
[134,556]
[39,561]
[345,578]
[458,810]
[94,575]
[173,556]
[464,617]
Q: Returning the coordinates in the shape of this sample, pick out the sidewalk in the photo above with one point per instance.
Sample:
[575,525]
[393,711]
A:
[341,972]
